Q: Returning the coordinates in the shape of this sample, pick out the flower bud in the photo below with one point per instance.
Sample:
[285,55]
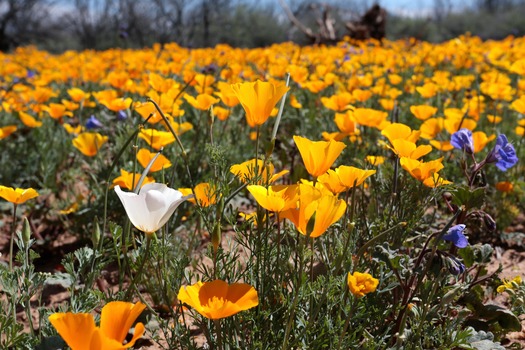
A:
[26,231]
[489,222]
[95,235]
[216,237]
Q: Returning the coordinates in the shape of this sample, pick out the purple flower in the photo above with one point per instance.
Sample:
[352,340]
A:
[121,115]
[503,154]
[462,139]
[456,236]
[93,123]
[455,266]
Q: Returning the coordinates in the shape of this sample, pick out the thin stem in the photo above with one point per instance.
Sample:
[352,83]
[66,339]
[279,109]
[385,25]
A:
[141,267]
[13,227]
[296,296]
[348,318]
[218,331]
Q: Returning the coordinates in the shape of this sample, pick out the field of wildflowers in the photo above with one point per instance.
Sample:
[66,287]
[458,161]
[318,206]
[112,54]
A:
[341,197]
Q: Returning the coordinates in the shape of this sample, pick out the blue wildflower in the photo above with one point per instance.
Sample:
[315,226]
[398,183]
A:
[121,115]
[462,139]
[456,236]
[455,266]
[93,123]
[503,154]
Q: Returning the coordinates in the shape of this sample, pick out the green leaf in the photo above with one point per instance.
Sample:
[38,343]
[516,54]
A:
[60,278]
[506,319]
[484,341]
[469,198]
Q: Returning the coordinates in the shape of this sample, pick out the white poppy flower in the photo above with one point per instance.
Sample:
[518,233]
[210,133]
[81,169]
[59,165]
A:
[149,210]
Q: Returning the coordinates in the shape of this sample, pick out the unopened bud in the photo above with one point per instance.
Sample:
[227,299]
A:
[26,231]
[216,237]
[489,222]
[95,236]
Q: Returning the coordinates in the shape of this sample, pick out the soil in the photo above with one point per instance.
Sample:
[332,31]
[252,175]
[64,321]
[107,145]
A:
[509,255]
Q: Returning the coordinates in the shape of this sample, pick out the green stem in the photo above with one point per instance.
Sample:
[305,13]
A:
[218,331]
[348,318]
[296,296]
[141,268]
[13,228]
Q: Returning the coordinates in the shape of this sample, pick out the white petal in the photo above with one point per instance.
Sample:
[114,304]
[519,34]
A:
[173,206]
[155,201]
[136,209]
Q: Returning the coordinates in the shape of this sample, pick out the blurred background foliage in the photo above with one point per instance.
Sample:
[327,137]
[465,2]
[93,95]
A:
[59,25]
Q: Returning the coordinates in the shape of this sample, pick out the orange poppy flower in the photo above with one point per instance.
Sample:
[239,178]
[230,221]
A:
[275,198]
[218,299]
[318,156]
[246,171]
[202,101]
[129,180]
[361,283]
[6,131]
[145,157]
[156,139]
[17,195]
[80,333]
[258,99]
[326,208]
[89,143]
[29,120]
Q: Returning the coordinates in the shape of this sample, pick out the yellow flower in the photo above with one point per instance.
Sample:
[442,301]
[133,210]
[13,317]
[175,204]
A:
[221,113]
[145,109]
[375,160]
[275,198]
[428,90]
[29,120]
[80,333]
[258,99]
[246,172]
[338,102]
[313,202]
[202,102]
[218,299]
[480,140]
[361,283]
[130,180]
[57,111]
[17,195]
[77,95]
[343,178]
[396,131]
[6,131]
[421,170]
[345,123]
[512,284]
[157,139]
[226,94]
[73,129]
[205,194]
[404,148]
[294,102]
[117,104]
[519,105]
[371,117]
[423,112]
[144,157]
[89,143]
[318,156]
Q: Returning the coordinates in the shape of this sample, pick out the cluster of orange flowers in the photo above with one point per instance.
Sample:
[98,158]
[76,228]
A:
[413,94]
